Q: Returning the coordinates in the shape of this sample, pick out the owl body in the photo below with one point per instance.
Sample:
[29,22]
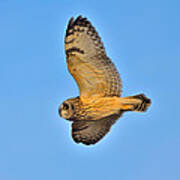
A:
[100,103]
[95,108]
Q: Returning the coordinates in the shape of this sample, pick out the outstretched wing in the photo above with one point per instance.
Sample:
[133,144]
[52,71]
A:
[87,61]
[90,132]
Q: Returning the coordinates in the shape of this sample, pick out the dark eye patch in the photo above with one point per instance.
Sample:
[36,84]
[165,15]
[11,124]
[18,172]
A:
[65,106]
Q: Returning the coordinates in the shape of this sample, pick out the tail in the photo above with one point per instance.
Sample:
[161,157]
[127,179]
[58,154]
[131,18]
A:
[138,103]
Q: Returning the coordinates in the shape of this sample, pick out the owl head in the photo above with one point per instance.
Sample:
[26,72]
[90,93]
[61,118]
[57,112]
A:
[67,110]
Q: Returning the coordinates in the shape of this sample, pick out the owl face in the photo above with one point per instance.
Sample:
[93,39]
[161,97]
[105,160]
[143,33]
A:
[66,110]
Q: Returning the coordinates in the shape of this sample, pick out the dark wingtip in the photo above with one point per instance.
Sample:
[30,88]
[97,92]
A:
[78,21]
[71,22]
[79,18]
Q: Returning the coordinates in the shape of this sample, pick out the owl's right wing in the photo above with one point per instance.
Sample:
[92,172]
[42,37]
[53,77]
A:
[90,132]
[87,61]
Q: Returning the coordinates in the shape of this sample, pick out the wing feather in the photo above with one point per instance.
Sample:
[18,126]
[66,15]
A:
[87,61]
[90,132]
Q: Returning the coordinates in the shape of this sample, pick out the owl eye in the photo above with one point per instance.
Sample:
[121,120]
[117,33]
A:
[65,106]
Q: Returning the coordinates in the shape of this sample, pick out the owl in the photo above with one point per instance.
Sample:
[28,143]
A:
[99,104]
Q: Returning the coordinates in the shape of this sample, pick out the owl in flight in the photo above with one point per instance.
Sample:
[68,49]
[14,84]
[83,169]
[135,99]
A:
[99,105]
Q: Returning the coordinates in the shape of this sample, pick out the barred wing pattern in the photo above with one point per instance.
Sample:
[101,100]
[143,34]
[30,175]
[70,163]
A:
[90,132]
[87,61]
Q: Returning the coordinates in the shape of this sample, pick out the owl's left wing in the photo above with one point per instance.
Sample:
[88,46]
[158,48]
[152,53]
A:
[90,132]
[87,61]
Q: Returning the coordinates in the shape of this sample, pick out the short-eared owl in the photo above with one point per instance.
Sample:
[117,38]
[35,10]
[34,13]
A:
[99,104]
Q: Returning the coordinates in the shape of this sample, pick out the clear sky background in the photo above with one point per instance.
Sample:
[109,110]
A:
[143,40]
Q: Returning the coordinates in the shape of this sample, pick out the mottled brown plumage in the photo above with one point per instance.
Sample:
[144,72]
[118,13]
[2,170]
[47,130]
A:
[99,104]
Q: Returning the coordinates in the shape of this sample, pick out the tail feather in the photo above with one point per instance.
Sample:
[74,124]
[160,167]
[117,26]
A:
[139,103]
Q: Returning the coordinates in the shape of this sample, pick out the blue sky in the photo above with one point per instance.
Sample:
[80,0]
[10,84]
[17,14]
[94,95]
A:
[141,37]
